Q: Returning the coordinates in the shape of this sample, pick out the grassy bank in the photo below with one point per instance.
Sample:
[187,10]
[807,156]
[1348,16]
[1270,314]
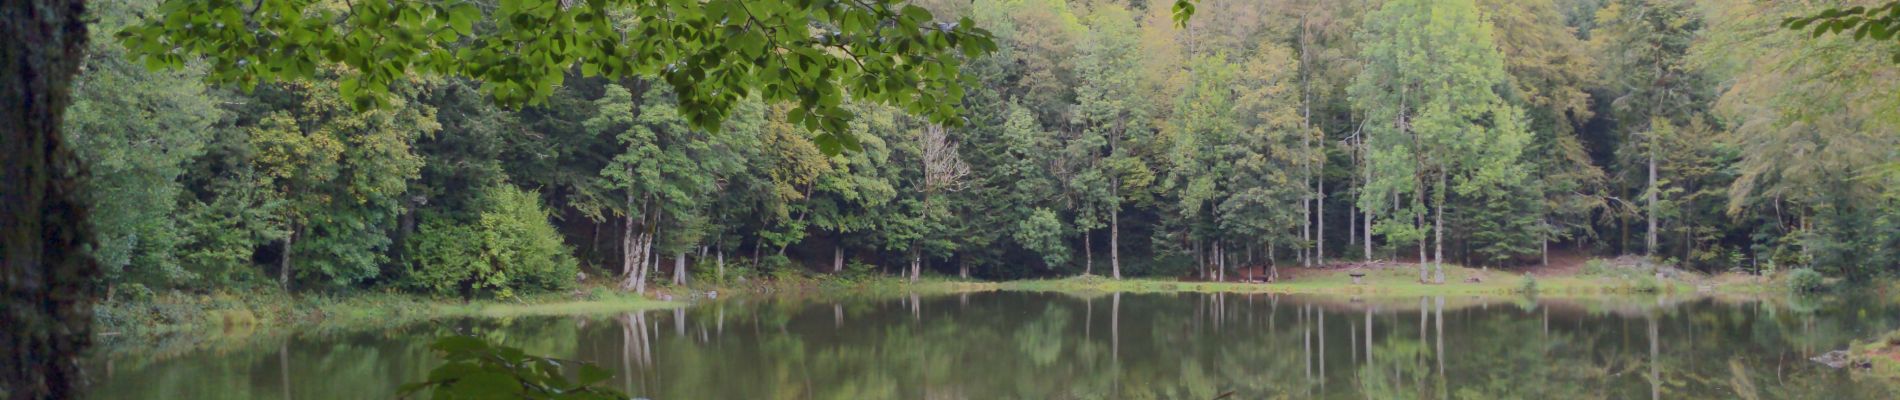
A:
[273,309]
[268,309]
[1402,280]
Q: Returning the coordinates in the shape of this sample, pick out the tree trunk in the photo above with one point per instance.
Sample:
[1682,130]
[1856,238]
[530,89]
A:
[283,260]
[1366,230]
[640,249]
[1115,237]
[1649,240]
[1223,262]
[679,268]
[1273,265]
[1319,208]
[1306,228]
[1438,243]
[1418,220]
[1546,248]
[46,279]
[1088,255]
[1438,233]
[916,265]
[837,257]
[720,261]
[963,269]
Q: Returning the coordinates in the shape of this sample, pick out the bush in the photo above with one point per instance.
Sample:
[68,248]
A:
[518,238]
[1598,267]
[1528,285]
[1804,280]
[1648,284]
[510,247]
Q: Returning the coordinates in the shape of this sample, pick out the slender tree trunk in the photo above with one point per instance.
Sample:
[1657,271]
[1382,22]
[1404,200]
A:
[1273,264]
[916,265]
[1319,206]
[1649,196]
[47,282]
[1115,235]
[1438,243]
[1088,255]
[1220,263]
[1545,252]
[721,262]
[283,260]
[963,269]
[1418,219]
[1306,228]
[679,268]
[837,257]
[1366,230]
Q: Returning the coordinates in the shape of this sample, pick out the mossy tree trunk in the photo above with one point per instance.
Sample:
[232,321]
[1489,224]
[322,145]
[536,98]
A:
[47,280]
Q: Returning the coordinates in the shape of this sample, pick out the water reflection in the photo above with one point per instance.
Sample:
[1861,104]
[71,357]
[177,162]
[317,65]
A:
[1014,345]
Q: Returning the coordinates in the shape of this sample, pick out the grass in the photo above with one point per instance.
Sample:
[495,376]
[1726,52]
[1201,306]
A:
[1883,353]
[1399,280]
[240,312]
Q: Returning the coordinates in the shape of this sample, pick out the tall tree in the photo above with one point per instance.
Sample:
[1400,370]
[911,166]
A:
[1645,44]
[1113,113]
[1429,90]
[138,130]
[341,175]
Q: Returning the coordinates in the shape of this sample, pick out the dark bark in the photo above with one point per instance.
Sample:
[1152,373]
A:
[48,281]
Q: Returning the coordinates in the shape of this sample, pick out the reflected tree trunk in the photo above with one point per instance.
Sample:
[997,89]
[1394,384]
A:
[283,366]
[1115,327]
[1306,340]
[1368,335]
[1655,354]
[1439,309]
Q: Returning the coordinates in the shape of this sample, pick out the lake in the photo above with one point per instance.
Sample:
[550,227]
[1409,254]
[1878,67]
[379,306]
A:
[1005,345]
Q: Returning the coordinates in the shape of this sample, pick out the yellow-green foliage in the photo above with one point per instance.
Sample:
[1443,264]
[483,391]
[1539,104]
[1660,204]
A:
[510,247]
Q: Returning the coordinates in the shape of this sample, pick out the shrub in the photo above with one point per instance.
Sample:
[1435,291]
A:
[510,247]
[1598,267]
[444,261]
[1528,285]
[1648,284]
[518,238]
[1804,280]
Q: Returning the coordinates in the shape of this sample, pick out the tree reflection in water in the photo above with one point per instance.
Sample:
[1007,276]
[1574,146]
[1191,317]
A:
[1016,345]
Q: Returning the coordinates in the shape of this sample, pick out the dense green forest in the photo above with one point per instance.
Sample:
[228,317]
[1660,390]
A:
[1100,137]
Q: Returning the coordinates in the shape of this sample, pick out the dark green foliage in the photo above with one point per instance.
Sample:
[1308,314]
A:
[476,369]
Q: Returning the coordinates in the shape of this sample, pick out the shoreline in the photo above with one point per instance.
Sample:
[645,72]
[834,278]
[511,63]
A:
[183,313]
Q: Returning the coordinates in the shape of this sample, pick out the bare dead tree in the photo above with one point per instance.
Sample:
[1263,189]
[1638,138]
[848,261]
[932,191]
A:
[944,171]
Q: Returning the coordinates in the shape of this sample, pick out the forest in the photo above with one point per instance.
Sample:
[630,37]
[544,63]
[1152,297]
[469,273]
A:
[1099,137]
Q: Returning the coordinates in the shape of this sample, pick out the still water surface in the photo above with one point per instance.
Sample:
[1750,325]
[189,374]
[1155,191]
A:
[1050,346]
